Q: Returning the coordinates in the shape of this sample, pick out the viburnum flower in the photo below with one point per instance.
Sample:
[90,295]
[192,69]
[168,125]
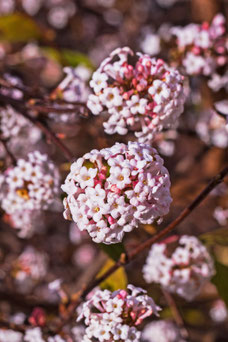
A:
[161,331]
[109,192]
[11,122]
[73,88]
[31,264]
[115,316]
[145,96]
[30,185]
[200,49]
[180,265]
[10,335]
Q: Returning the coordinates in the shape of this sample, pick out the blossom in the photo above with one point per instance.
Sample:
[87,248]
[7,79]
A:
[10,335]
[145,97]
[11,122]
[115,316]
[183,270]
[31,185]
[109,192]
[161,331]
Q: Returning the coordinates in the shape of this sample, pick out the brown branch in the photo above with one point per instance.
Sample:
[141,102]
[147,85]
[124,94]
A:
[13,160]
[125,259]
[176,315]
[41,124]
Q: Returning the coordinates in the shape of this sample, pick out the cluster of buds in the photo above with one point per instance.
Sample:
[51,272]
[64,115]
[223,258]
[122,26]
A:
[109,192]
[72,89]
[200,49]
[30,265]
[181,265]
[145,96]
[115,316]
[30,185]
[161,331]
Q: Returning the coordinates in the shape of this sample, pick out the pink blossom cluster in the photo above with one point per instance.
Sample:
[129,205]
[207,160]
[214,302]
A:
[181,265]
[115,316]
[31,265]
[161,331]
[72,89]
[212,129]
[144,97]
[11,122]
[200,49]
[30,185]
[111,191]
[25,222]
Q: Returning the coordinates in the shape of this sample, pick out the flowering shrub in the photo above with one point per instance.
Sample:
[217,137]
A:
[115,316]
[183,270]
[31,185]
[145,97]
[109,192]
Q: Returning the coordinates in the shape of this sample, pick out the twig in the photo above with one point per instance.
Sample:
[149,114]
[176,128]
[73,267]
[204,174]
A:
[125,259]
[22,109]
[176,315]
[8,152]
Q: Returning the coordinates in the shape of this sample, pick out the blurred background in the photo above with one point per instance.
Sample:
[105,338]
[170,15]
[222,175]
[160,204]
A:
[37,40]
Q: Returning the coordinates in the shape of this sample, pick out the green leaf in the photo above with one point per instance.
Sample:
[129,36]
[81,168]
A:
[118,280]
[113,251]
[220,280]
[218,236]
[74,58]
[18,28]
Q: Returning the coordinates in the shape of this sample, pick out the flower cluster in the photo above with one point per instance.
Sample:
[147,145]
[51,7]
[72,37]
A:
[181,265]
[72,89]
[11,122]
[109,192]
[161,331]
[10,335]
[26,222]
[31,264]
[145,96]
[200,49]
[212,129]
[115,316]
[30,185]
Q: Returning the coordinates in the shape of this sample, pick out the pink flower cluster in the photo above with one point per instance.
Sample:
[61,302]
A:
[200,49]
[30,185]
[109,192]
[161,331]
[115,316]
[144,97]
[181,265]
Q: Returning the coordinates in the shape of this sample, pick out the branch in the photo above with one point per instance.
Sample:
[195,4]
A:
[125,259]
[42,125]
[13,160]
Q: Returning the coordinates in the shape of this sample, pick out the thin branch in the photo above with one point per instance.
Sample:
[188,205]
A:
[42,125]
[176,315]
[13,160]
[125,259]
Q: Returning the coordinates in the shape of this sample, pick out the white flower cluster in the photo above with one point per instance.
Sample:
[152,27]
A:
[161,331]
[26,222]
[33,335]
[114,316]
[145,97]
[73,88]
[31,185]
[11,122]
[212,129]
[10,336]
[31,264]
[200,49]
[183,270]
[109,192]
